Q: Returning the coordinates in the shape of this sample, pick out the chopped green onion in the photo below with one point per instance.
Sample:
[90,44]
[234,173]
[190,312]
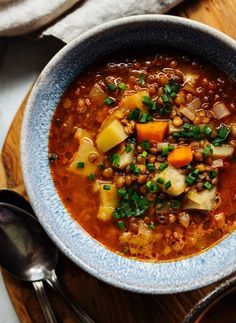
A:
[165,98]
[141,79]
[165,150]
[189,167]
[134,115]
[167,89]
[52,156]
[147,100]
[186,126]
[143,118]
[128,148]
[144,154]
[175,87]
[196,132]
[131,167]
[176,135]
[121,225]
[223,132]
[207,185]
[106,187]
[109,101]
[121,191]
[152,186]
[116,215]
[111,86]
[150,167]
[160,180]
[163,166]
[145,144]
[153,107]
[175,204]
[135,197]
[213,173]
[152,226]
[149,117]
[115,160]
[136,171]
[207,151]
[167,185]
[195,172]
[122,86]
[190,179]
[91,177]
[207,130]
[173,95]
[80,165]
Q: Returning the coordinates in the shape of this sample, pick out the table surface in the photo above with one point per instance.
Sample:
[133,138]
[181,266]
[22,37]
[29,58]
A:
[17,73]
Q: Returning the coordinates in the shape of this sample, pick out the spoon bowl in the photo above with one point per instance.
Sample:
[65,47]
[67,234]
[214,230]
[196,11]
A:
[28,254]
[25,249]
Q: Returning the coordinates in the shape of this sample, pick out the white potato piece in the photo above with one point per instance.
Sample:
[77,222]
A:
[220,110]
[206,199]
[177,180]
[86,147]
[126,158]
[108,201]
[222,152]
[132,101]
[110,136]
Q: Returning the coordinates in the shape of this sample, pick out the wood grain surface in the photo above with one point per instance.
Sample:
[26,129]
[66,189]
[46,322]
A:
[104,303]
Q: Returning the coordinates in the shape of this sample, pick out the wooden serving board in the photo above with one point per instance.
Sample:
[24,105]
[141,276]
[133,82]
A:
[105,303]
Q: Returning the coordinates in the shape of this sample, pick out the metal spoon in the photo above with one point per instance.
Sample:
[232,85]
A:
[27,253]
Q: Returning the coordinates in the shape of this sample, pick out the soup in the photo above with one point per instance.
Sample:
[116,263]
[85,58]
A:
[141,152]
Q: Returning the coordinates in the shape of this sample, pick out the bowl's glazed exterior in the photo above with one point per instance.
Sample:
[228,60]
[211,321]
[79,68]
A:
[138,31]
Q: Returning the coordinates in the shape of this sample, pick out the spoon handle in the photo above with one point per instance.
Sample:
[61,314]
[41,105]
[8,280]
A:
[56,285]
[44,302]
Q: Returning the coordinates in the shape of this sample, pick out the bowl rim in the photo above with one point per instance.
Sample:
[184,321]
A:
[171,288]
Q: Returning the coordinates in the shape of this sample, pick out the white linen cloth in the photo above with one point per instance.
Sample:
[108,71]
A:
[91,13]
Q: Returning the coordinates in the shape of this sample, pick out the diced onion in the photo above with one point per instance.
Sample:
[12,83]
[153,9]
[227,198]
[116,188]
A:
[195,104]
[187,112]
[217,163]
[220,110]
[97,95]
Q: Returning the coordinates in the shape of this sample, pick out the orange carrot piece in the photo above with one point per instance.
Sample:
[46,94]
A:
[180,156]
[152,131]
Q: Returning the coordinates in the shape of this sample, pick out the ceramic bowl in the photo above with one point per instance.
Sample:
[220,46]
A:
[72,240]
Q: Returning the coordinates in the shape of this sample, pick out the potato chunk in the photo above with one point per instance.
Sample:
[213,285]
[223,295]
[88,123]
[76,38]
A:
[86,147]
[204,200]
[222,152]
[176,179]
[132,101]
[110,136]
[126,158]
[108,201]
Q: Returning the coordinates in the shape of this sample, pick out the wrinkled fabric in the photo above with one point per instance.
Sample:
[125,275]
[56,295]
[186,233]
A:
[92,13]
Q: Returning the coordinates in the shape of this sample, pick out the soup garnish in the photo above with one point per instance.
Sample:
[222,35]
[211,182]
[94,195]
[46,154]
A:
[142,154]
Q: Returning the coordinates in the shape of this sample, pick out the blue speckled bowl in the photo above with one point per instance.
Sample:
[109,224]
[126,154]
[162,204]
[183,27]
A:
[139,276]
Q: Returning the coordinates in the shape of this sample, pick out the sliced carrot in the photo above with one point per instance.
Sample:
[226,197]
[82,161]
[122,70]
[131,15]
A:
[152,131]
[181,156]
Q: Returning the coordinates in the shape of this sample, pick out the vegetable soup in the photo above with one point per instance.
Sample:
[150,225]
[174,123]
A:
[142,154]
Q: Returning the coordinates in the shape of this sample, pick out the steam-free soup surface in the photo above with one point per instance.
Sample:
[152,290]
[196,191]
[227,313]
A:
[142,154]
